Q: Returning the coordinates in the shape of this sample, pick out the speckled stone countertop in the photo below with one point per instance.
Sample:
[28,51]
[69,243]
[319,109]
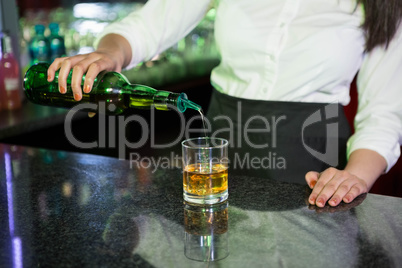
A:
[61,209]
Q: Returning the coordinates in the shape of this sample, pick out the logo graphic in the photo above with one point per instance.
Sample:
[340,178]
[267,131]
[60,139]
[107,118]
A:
[331,149]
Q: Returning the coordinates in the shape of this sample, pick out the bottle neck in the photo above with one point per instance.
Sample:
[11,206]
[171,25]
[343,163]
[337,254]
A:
[8,47]
[40,34]
[5,44]
[164,100]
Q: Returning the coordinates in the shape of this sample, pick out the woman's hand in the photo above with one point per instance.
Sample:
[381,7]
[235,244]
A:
[333,186]
[91,64]
[113,53]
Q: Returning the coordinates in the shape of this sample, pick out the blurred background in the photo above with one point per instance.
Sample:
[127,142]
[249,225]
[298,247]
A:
[80,21]
[69,27]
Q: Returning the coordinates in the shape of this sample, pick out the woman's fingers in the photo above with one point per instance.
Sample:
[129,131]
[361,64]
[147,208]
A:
[90,64]
[93,70]
[51,71]
[76,79]
[356,190]
[334,186]
[311,178]
[339,194]
[63,75]
[65,67]
[316,197]
[339,181]
[348,190]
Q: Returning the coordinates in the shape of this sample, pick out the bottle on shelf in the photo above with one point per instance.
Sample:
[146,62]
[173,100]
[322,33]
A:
[111,88]
[2,90]
[10,97]
[39,47]
[56,41]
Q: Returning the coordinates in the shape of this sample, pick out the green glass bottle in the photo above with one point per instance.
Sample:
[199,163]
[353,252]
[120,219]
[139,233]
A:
[112,88]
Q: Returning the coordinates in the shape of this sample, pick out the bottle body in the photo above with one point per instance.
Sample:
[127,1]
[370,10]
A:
[39,47]
[56,42]
[110,89]
[2,90]
[10,76]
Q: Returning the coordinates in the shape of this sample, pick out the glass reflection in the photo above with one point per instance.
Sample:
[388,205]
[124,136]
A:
[15,240]
[206,231]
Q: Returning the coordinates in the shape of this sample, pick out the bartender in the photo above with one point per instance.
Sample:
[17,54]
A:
[281,62]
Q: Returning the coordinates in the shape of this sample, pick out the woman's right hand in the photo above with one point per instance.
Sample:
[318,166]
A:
[91,64]
[113,54]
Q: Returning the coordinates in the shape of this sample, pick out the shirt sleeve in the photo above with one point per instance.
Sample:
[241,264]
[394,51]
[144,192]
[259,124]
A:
[378,122]
[158,25]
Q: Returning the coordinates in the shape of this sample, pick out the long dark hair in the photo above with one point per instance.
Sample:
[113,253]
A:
[382,18]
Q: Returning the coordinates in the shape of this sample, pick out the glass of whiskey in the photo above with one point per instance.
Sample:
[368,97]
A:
[205,170]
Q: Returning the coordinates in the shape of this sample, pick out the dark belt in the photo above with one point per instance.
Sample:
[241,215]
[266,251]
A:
[277,139]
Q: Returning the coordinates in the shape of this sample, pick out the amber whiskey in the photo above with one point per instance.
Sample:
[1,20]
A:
[201,179]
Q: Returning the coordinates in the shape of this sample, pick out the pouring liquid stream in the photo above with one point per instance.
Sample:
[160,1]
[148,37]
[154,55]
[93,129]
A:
[192,105]
[203,125]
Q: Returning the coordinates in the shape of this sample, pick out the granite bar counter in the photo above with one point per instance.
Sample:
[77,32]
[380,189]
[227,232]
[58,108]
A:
[60,209]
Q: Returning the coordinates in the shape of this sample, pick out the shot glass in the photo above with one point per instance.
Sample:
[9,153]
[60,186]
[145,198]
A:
[206,231]
[205,170]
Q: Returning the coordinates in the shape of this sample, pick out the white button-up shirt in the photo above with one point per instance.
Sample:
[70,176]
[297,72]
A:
[287,50]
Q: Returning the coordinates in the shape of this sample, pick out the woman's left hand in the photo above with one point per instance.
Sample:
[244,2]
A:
[333,186]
